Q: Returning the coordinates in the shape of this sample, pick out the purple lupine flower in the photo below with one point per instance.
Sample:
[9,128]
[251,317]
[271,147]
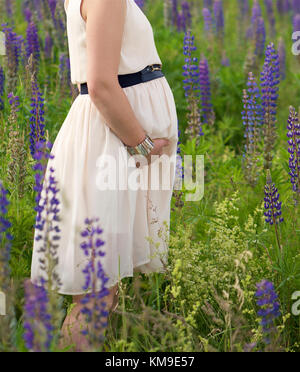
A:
[38,329]
[256,13]
[225,60]
[47,209]
[296,22]
[208,21]
[260,36]
[174,12]
[219,16]
[270,78]
[187,14]
[32,43]
[48,46]
[252,120]
[208,4]
[2,82]
[64,72]
[140,3]
[5,238]
[293,135]
[14,101]
[52,6]
[95,282]
[283,6]
[272,204]
[13,47]
[191,85]
[204,82]
[271,15]
[37,5]
[296,6]
[286,6]
[37,126]
[28,15]
[9,9]
[191,68]
[181,25]
[267,300]
[282,58]
[244,7]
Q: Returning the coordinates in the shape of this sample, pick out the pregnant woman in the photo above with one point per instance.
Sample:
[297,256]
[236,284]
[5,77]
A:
[125,103]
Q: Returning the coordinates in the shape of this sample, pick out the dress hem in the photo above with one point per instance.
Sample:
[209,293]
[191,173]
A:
[126,275]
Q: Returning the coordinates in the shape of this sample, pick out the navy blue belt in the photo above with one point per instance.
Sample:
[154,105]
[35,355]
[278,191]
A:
[150,72]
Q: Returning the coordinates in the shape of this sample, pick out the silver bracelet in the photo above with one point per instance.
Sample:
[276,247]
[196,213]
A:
[144,148]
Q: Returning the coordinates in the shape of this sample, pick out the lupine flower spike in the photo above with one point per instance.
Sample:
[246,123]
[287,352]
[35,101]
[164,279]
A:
[5,238]
[38,329]
[37,126]
[267,300]
[95,282]
[252,120]
[47,208]
[293,135]
[192,87]
[273,212]
[269,87]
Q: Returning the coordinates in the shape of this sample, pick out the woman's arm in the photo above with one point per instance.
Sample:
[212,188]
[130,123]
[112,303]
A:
[104,31]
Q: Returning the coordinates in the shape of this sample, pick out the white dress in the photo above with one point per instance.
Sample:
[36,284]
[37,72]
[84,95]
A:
[130,219]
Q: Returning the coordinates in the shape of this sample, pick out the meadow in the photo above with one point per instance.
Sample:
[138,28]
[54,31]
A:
[232,282]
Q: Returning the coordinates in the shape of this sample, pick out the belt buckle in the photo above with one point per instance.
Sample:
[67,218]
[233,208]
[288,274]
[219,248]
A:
[155,68]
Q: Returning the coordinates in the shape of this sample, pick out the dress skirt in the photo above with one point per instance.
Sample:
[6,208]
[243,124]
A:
[132,217]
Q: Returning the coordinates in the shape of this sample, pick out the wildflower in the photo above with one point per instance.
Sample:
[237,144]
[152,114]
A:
[271,16]
[28,14]
[64,72]
[272,204]
[244,8]
[283,6]
[252,120]
[13,47]
[296,22]
[32,44]
[293,135]
[47,208]
[296,6]
[260,36]
[140,3]
[174,12]
[270,78]
[5,238]
[219,17]
[192,86]
[267,299]
[95,282]
[207,4]
[186,12]
[204,79]
[48,46]
[37,126]
[208,21]
[38,329]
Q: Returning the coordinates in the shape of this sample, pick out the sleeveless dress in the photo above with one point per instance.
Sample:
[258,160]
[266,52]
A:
[131,220]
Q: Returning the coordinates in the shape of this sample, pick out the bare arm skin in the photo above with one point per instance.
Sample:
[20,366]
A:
[105,21]
[104,30]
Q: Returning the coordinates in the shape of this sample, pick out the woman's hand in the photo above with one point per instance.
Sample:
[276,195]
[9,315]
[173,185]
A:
[159,144]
